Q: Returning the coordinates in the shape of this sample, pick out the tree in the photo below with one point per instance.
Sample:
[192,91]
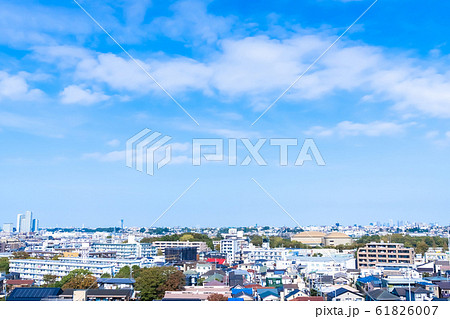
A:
[217,297]
[4,264]
[105,275]
[20,255]
[78,279]
[159,253]
[256,240]
[187,237]
[421,247]
[50,280]
[124,272]
[154,282]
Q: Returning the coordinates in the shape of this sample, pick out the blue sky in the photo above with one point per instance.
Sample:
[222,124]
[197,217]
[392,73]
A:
[377,105]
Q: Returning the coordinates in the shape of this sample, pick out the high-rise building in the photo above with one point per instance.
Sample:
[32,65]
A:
[19,222]
[8,228]
[26,223]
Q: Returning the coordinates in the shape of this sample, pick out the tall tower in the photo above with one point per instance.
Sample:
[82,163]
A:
[19,222]
[121,225]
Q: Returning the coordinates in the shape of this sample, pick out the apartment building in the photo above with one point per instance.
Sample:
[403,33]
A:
[252,253]
[126,250]
[36,268]
[377,253]
[162,245]
[233,244]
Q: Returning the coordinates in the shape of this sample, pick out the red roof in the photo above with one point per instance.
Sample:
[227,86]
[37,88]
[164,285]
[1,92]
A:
[19,282]
[254,286]
[312,298]
[216,260]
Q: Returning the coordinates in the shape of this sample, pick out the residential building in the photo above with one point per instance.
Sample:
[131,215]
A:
[374,253]
[162,245]
[233,245]
[36,268]
[132,249]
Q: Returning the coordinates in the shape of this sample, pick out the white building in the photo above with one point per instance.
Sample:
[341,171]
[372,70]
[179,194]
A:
[132,249]
[162,245]
[8,228]
[26,223]
[36,268]
[252,253]
[233,245]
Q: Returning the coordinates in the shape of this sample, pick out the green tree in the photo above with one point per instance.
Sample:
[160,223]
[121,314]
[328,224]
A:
[421,247]
[77,279]
[124,272]
[256,240]
[187,237]
[20,255]
[4,264]
[154,282]
[105,275]
[50,280]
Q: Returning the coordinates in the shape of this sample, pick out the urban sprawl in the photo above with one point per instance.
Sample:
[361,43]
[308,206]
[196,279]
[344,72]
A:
[393,261]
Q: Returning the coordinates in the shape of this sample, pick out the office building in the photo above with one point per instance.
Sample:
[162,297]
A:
[26,223]
[178,254]
[8,228]
[390,253]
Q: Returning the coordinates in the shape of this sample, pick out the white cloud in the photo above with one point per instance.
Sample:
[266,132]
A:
[347,128]
[15,87]
[74,94]
[113,156]
[192,21]
[113,143]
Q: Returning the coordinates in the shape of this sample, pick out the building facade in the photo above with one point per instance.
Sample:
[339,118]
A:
[377,253]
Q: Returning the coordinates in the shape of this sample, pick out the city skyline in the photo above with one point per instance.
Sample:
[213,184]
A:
[376,105]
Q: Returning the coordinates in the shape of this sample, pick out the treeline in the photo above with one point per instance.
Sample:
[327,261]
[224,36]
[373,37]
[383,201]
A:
[183,237]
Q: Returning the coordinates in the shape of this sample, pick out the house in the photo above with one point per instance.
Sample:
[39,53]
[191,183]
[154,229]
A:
[309,298]
[343,294]
[244,295]
[269,295]
[290,287]
[400,292]
[11,284]
[34,294]
[381,295]
[444,289]
[97,294]
[116,283]
[368,283]
[341,279]
[427,268]
[294,294]
[215,277]
[419,294]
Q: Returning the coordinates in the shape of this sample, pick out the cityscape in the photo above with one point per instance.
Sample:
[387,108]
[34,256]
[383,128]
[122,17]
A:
[400,261]
[236,151]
